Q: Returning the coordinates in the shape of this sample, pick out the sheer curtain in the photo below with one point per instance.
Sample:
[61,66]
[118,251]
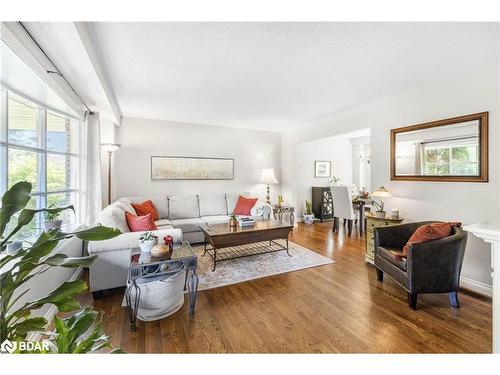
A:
[419,158]
[92,167]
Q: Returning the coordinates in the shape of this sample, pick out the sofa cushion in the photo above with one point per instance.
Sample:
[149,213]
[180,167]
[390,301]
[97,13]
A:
[146,207]
[114,217]
[231,199]
[183,207]
[244,206]
[393,255]
[127,207]
[195,221]
[140,223]
[163,224]
[188,228]
[216,219]
[212,204]
[160,202]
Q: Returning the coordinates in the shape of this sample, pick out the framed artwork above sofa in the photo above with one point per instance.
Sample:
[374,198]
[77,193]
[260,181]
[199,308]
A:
[191,168]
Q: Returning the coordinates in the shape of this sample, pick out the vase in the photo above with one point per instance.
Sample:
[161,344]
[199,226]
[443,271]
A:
[233,223]
[379,214]
[146,246]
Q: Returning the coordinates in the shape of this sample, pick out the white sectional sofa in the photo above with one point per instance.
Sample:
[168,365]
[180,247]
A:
[179,216]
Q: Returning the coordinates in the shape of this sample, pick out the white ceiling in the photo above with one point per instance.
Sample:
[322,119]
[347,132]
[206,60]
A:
[279,75]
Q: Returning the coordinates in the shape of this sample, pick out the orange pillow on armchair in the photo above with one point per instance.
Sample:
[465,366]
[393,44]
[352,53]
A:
[429,232]
[144,208]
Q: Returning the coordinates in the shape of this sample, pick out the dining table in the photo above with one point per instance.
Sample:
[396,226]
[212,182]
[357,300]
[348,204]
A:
[359,203]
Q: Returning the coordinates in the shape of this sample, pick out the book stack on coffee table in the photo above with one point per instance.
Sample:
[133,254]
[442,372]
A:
[246,221]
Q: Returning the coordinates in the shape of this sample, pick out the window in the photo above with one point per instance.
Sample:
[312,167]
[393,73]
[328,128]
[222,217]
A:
[453,159]
[41,146]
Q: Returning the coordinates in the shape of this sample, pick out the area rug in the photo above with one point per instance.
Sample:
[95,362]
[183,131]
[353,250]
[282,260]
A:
[253,267]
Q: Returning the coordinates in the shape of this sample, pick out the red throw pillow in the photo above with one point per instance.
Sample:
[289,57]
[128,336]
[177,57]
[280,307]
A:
[429,232]
[140,223]
[244,205]
[145,208]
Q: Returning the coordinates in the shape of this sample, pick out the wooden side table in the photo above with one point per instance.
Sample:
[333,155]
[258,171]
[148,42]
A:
[371,223]
[280,210]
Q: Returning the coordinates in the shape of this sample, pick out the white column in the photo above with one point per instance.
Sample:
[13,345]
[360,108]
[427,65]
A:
[490,232]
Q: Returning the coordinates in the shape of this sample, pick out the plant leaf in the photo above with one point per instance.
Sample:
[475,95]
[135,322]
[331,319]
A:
[29,325]
[14,200]
[62,297]
[62,260]
[97,233]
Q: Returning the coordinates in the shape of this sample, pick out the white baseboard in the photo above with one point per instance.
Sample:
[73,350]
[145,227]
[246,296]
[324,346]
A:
[476,286]
[52,311]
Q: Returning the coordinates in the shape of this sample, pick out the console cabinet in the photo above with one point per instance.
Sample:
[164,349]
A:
[322,203]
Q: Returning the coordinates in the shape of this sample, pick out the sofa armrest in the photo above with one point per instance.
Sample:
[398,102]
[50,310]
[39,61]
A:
[262,209]
[435,266]
[131,240]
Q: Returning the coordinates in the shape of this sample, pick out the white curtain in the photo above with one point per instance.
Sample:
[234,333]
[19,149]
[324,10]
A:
[92,161]
[419,154]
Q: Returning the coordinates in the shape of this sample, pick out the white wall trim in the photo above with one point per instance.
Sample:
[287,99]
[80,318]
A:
[476,286]
[52,311]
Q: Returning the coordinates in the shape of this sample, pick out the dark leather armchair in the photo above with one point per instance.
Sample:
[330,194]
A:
[430,267]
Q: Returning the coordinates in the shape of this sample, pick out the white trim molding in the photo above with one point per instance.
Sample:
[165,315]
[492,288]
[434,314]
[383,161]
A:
[490,232]
[476,286]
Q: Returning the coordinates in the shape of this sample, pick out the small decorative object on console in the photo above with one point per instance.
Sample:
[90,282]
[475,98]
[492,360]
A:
[169,241]
[147,241]
[160,251]
[394,213]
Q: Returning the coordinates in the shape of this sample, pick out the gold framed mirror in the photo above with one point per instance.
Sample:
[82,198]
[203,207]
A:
[454,149]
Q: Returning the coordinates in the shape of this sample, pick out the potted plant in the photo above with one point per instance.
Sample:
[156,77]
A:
[335,180]
[80,331]
[147,241]
[52,220]
[280,200]
[308,215]
[233,222]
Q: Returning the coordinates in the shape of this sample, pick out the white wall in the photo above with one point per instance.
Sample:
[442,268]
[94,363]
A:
[336,149]
[252,151]
[470,92]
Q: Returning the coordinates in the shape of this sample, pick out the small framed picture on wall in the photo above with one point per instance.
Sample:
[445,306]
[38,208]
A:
[322,168]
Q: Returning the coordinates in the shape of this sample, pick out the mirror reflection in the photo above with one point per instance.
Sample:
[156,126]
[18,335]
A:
[448,150]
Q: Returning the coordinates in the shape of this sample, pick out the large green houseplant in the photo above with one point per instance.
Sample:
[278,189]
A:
[78,333]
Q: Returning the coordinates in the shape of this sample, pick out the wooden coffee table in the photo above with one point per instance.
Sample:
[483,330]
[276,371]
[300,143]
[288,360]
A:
[231,243]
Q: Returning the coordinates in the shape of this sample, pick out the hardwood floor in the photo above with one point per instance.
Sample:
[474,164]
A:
[336,308]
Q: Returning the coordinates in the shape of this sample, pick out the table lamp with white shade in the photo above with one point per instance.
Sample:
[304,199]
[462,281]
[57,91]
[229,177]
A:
[381,193]
[268,178]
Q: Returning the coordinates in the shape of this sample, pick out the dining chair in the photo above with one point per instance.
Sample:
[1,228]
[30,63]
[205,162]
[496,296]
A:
[342,207]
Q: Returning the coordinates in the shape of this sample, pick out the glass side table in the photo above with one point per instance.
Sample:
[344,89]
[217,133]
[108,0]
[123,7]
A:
[143,268]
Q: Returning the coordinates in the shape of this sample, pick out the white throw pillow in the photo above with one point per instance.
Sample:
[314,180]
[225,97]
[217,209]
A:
[127,207]
[113,216]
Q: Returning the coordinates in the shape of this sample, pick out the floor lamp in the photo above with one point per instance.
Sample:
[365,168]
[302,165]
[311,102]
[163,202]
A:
[110,148]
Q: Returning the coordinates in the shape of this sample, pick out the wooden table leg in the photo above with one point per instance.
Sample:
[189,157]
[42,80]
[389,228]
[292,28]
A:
[361,218]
